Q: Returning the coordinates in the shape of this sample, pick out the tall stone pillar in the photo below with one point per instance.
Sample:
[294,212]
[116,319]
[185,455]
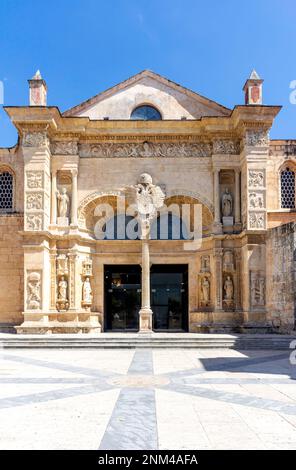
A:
[53,212]
[217,215]
[74,198]
[145,312]
[218,253]
[237,197]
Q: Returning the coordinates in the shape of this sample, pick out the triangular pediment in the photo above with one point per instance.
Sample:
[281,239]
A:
[173,101]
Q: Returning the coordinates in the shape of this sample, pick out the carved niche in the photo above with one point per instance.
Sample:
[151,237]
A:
[87,295]
[62,271]
[257,290]
[204,282]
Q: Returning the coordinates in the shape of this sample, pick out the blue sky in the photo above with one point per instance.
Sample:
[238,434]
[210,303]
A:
[85,46]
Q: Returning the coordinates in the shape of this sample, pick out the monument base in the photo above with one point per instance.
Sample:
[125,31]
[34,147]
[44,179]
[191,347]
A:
[145,320]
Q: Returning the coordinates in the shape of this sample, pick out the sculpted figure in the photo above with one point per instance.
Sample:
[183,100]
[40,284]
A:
[86,291]
[34,298]
[62,293]
[205,289]
[228,287]
[226,203]
[63,203]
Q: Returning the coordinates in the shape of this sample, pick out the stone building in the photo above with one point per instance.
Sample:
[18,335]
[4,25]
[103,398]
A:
[147,207]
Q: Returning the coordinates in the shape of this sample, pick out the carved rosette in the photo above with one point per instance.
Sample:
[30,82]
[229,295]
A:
[146,149]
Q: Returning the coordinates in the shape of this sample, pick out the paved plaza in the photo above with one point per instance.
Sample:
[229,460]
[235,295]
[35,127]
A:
[147,399]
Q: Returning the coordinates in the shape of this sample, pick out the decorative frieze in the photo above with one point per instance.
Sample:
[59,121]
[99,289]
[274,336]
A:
[257,138]
[33,290]
[35,139]
[146,149]
[226,146]
[64,148]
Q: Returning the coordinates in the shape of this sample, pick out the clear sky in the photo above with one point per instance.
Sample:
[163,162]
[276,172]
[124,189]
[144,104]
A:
[85,46]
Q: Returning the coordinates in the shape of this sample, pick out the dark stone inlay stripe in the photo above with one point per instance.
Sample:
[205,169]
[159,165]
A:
[133,423]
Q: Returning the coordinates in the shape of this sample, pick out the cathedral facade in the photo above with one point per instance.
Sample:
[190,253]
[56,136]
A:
[147,208]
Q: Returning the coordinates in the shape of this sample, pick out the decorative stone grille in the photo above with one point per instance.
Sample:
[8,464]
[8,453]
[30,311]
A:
[6,191]
[288,189]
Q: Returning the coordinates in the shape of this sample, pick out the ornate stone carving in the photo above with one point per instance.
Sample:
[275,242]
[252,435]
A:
[87,267]
[35,139]
[228,261]
[86,293]
[257,220]
[34,201]
[205,290]
[146,197]
[33,290]
[226,203]
[205,263]
[34,221]
[256,178]
[62,289]
[34,179]
[146,149]
[226,146]
[256,200]
[257,289]
[64,147]
[62,265]
[228,290]
[258,138]
[63,203]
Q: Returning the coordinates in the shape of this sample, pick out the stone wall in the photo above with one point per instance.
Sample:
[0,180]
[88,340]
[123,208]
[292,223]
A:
[281,280]
[11,270]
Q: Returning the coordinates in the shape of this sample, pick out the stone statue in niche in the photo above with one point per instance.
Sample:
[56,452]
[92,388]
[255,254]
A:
[226,203]
[86,292]
[63,206]
[34,298]
[205,290]
[228,288]
[62,289]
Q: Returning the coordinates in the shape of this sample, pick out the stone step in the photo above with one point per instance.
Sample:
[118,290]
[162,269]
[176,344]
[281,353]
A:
[155,340]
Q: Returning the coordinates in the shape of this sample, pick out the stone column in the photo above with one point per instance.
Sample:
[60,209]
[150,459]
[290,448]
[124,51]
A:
[74,198]
[53,213]
[145,312]
[237,197]
[217,216]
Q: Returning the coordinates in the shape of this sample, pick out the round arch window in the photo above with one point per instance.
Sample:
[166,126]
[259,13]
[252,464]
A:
[146,113]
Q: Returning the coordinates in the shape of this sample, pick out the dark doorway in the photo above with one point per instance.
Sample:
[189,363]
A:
[169,297]
[122,297]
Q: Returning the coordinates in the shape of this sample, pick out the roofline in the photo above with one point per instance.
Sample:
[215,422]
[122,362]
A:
[125,83]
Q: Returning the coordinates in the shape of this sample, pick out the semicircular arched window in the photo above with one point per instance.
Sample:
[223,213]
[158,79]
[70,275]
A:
[287,189]
[6,191]
[146,113]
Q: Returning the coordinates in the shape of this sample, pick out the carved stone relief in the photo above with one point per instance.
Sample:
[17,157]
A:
[257,289]
[35,139]
[205,263]
[256,179]
[257,220]
[228,289]
[146,149]
[228,261]
[34,201]
[226,146]
[62,271]
[34,179]
[64,148]
[256,200]
[33,290]
[258,138]
[34,222]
